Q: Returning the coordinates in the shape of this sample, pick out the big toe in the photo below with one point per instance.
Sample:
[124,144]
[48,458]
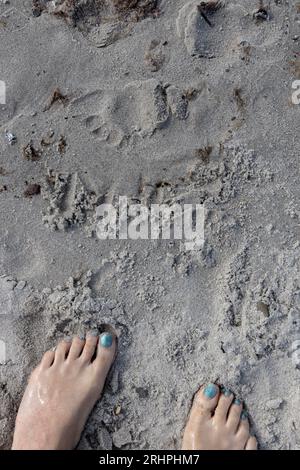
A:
[205,402]
[106,353]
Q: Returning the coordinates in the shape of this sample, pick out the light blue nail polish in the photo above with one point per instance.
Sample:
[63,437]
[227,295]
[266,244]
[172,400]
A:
[211,391]
[237,402]
[226,392]
[106,340]
[244,415]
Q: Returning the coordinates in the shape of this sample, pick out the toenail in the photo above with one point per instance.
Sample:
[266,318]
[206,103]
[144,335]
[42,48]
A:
[210,391]
[106,340]
[81,336]
[226,392]
[93,333]
[237,402]
[244,415]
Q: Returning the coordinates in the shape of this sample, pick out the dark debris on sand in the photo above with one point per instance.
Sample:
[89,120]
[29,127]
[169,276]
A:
[32,190]
[85,13]
[30,153]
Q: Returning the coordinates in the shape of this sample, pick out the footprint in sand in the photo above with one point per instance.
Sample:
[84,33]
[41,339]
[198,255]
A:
[212,29]
[69,201]
[101,22]
[139,109]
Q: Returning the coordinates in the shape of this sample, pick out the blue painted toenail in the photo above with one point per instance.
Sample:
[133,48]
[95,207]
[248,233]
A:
[226,392]
[106,340]
[244,415]
[237,402]
[211,391]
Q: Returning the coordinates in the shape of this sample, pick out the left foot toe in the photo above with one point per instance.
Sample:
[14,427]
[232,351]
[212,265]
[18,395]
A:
[58,400]
[76,348]
[105,354]
[90,347]
[61,351]
[48,359]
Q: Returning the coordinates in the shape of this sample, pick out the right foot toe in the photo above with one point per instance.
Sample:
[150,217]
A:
[224,404]
[243,430]
[251,443]
[217,424]
[234,415]
[205,402]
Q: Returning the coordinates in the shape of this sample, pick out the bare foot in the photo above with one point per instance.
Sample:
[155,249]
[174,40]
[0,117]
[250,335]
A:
[62,392]
[217,422]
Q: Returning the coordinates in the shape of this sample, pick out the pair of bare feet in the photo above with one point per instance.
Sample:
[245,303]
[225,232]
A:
[65,386]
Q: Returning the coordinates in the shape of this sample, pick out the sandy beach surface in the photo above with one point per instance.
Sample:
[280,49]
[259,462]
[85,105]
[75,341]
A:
[160,101]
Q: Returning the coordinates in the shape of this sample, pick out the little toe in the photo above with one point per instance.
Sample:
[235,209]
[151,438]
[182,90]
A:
[204,404]
[234,415]
[223,405]
[47,359]
[76,348]
[251,443]
[90,347]
[61,351]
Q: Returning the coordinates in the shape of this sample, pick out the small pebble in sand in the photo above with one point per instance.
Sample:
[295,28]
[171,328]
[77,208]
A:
[10,138]
[274,404]
[20,285]
[117,410]
[261,14]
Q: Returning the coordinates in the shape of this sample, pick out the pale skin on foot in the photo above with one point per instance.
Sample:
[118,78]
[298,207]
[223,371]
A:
[65,386]
[62,392]
[217,421]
